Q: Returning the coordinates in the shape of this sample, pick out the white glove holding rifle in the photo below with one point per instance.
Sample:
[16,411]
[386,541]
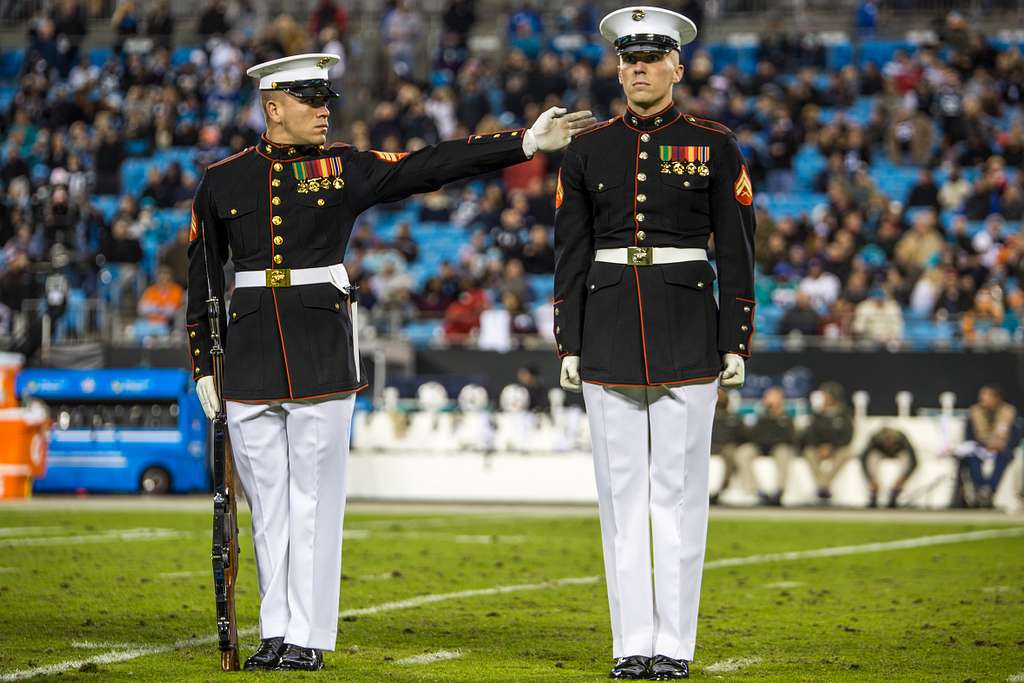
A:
[208,398]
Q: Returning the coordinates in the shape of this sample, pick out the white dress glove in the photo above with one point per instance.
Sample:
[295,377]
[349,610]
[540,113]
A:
[207,391]
[734,373]
[570,375]
[554,129]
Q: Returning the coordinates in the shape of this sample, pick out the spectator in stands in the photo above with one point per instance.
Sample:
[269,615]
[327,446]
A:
[160,24]
[462,317]
[727,433]
[404,243]
[954,191]
[432,302]
[866,18]
[514,281]
[108,155]
[175,256]
[125,22]
[825,444]
[213,19]
[163,300]
[992,434]
[119,246]
[879,318]
[909,138]
[887,443]
[921,244]
[988,242]
[772,435]
[539,254]
[800,318]
[821,286]
[924,192]
[838,324]
[327,14]
[521,321]
[983,321]
[402,29]
[529,377]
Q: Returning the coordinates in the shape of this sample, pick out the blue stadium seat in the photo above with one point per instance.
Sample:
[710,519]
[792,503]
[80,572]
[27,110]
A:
[106,204]
[98,56]
[7,93]
[10,63]
[422,332]
[133,176]
[881,51]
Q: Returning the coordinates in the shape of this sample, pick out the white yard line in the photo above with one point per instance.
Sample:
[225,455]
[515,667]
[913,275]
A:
[184,575]
[104,537]
[418,601]
[836,551]
[998,589]
[731,665]
[484,539]
[431,657]
[783,584]
[93,645]
[376,577]
[421,600]
[22,530]
[1016,678]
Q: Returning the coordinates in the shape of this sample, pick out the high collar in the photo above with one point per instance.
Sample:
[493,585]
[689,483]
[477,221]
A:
[648,123]
[285,152]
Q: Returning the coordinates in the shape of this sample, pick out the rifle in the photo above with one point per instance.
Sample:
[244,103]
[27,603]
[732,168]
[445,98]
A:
[225,517]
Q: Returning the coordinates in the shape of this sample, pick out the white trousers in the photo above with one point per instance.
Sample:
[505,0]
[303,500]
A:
[652,449]
[291,459]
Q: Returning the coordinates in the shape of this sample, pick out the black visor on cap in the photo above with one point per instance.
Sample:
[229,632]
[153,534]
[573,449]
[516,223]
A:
[645,42]
[308,89]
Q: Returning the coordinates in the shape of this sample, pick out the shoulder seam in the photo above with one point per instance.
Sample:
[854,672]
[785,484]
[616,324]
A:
[597,127]
[233,156]
[721,130]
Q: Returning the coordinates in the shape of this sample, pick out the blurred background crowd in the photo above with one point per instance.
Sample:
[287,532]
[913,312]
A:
[887,170]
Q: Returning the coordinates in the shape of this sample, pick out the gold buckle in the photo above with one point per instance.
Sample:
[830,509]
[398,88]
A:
[639,256]
[279,277]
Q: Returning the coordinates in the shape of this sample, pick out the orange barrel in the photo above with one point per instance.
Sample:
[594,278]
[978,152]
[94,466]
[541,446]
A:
[23,449]
[10,365]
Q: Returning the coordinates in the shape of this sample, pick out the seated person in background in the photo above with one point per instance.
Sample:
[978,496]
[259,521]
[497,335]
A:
[726,434]
[162,300]
[773,435]
[991,434]
[887,443]
[826,441]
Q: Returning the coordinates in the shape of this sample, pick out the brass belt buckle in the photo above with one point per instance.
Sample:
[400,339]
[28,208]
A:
[639,256]
[279,277]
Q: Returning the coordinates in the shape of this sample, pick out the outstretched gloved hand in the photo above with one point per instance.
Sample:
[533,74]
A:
[554,129]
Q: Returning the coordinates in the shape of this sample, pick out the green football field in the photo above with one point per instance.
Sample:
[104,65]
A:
[104,590]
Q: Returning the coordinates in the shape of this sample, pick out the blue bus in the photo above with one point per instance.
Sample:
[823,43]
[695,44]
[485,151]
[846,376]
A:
[121,431]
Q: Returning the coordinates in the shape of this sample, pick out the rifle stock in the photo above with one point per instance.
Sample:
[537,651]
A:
[225,518]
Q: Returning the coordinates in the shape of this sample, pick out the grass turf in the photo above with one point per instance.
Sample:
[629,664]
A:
[939,613]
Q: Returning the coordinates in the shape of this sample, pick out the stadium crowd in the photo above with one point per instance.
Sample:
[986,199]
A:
[841,254]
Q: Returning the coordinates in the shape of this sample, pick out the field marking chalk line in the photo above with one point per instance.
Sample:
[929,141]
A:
[730,665]
[431,657]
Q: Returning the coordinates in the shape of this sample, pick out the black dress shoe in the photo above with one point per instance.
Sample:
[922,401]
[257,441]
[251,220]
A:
[295,658]
[667,669]
[630,668]
[267,656]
